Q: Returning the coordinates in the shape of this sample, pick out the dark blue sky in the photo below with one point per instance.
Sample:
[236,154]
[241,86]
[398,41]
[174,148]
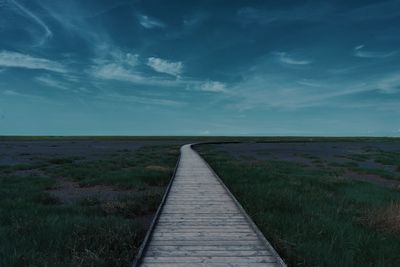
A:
[199,67]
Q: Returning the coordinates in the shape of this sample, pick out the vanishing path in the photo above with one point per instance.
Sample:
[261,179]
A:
[202,225]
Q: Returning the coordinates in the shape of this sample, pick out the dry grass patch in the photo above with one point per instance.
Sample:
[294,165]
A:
[158,168]
[386,218]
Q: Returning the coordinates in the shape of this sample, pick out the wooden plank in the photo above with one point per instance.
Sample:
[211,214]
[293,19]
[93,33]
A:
[202,242]
[208,253]
[208,265]
[189,260]
[231,247]
[201,225]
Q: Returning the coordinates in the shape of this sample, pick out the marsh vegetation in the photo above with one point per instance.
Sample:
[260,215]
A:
[80,210]
[309,204]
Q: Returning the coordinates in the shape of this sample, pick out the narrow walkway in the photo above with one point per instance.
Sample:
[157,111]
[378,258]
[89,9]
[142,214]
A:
[201,224]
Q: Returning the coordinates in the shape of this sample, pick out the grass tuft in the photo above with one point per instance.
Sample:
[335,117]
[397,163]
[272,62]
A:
[385,218]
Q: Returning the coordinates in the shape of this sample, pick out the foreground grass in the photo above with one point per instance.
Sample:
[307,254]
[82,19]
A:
[37,229]
[314,217]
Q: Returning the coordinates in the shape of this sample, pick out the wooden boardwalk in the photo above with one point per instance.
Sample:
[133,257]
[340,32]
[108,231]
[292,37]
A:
[201,224]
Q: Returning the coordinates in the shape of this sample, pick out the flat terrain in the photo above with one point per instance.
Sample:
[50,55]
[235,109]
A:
[79,202]
[88,201]
[322,203]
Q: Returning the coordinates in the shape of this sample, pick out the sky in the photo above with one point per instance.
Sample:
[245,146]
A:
[119,67]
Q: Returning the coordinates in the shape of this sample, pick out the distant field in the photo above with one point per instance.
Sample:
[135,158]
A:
[319,203]
[79,203]
[188,139]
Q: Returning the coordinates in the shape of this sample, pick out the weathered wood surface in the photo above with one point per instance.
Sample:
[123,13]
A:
[201,224]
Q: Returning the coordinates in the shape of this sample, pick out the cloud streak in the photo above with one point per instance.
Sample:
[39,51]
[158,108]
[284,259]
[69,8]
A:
[115,71]
[313,13]
[213,86]
[12,93]
[139,99]
[165,66]
[258,91]
[359,52]
[389,83]
[49,81]
[126,67]
[283,57]
[26,12]
[11,59]
[149,22]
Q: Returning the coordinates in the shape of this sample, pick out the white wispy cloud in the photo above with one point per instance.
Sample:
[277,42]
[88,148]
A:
[314,12]
[213,86]
[126,67]
[51,82]
[29,14]
[11,59]
[165,66]
[13,93]
[308,82]
[123,67]
[139,99]
[10,93]
[360,52]
[117,65]
[115,71]
[283,92]
[390,83]
[129,59]
[149,22]
[283,57]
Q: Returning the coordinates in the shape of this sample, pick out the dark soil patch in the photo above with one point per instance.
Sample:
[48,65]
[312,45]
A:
[385,218]
[69,192]
[373,178]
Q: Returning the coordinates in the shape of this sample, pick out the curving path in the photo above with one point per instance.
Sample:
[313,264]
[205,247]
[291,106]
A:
[201,224]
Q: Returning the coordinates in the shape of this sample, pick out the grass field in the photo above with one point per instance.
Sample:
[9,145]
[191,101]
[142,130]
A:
[68,211]
[88,201]
[314,216]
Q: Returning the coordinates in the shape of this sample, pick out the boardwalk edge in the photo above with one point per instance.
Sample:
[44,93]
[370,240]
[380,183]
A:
[242,210]
[147,238]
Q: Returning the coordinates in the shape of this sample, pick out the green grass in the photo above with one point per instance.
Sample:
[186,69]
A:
[126,170]
[21,167]
[37,229]
[388,158]
[313,217]
[385,158]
